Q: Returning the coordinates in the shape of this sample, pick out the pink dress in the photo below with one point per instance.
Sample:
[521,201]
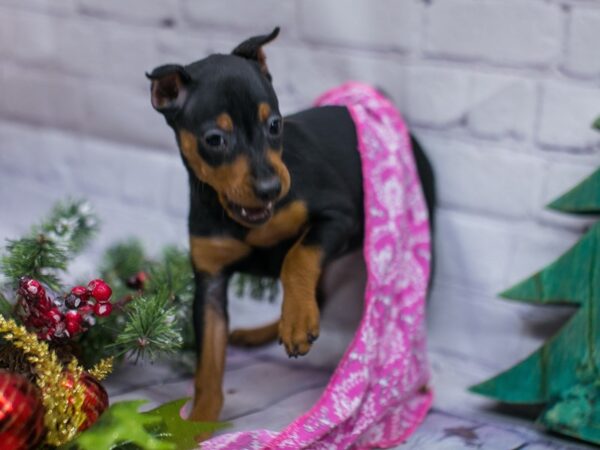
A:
[378,394]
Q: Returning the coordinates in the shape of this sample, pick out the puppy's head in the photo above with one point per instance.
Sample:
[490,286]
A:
[226,117]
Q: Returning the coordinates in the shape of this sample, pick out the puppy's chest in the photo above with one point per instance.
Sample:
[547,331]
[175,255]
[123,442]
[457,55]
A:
[288,222]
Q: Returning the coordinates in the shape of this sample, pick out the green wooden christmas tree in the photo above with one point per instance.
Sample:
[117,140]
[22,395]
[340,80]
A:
[564,374]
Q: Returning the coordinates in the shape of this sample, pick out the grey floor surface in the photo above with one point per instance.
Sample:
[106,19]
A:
[265,390]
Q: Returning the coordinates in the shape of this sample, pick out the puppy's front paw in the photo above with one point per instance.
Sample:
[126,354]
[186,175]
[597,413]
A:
[299,327]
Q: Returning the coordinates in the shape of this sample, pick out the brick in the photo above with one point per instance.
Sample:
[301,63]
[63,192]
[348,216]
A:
[20,212]
[384,24]
[535,248]
[260,18]
[560,177]
[501,106]
[472,250]
[490,180]
[129,53]
[335,68]
[567,113]
[153,12]
[504,32]
[581,57]
[146,179]
[173,46]
[19,150]
[42,97]
[484,330]
[436,96]
[98,170]
[80,48]
[21,42]
[121,221]
[178,191]
[107,51]
[62,7]
[121,114]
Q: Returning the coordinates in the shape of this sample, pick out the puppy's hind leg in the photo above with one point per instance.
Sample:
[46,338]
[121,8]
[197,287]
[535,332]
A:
[255,337]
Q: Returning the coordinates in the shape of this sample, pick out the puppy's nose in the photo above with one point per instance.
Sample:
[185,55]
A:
[267,188]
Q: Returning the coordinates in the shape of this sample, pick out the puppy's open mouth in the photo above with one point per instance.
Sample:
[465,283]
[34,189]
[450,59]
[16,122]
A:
[251,215]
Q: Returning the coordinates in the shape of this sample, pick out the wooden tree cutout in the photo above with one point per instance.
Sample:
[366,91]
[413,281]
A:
[564,374]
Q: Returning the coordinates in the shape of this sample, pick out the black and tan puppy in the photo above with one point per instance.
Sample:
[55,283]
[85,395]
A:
[269,196]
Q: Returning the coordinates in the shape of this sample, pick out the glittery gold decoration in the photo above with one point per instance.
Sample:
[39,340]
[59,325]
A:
[63,394]
[101,370]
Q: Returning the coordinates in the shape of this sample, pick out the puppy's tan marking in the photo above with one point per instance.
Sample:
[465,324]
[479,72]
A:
[208,397]
[299,324]
[212,254]
[285,224]
[274,157]
[264,111]
[254,337]
[224,122]
[233,180]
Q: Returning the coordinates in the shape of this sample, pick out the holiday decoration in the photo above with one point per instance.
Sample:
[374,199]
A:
[44,252]
[95,397]
[564,375]
[159,429]
[21,413]
[56,317]
[57,402]
[70,404]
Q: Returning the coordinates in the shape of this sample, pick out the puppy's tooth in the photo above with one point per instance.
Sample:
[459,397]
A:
[244,212]
[270,205]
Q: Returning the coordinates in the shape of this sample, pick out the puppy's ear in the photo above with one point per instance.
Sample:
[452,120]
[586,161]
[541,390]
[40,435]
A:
[252,49]
[169,87]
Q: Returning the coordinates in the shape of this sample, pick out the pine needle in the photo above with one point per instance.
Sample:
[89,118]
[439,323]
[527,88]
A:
[151,328]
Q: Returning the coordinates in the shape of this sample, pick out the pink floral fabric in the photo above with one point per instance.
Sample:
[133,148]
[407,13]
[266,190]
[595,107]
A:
[378,393]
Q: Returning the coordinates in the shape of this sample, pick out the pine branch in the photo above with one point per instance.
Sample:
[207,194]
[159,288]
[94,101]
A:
[124,260]
[151,328]
[70,224]
[37,257]
[173,273]
[46,250]
[6,308]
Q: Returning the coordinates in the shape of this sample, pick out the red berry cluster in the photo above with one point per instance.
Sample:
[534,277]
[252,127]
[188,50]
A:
[63,316]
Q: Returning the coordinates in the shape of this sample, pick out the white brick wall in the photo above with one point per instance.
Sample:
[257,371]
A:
[502,93]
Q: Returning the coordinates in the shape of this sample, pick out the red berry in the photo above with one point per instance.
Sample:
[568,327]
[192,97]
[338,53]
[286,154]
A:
[44,303]
[33,287]
[82,292]
[73,328]
[100,290]
[73,316]
[53,315]
[102,309]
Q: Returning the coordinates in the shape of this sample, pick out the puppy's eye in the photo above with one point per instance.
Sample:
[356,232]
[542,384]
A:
[275,125]
[215,140]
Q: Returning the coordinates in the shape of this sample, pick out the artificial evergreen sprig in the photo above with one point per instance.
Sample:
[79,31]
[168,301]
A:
[156,296]
[46,250]
[151,328]
[38,257]
[70,224]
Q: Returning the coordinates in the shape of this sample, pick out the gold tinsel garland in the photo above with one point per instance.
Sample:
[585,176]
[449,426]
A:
[62,393]
[101,370]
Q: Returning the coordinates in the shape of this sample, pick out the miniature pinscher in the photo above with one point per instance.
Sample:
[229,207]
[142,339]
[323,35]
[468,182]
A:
[269,196]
